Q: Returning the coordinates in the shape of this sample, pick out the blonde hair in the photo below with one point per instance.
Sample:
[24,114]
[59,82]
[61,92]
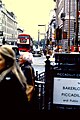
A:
[9,55]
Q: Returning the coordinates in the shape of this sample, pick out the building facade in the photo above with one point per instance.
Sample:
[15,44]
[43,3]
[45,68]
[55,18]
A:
[66,20]
[8,25]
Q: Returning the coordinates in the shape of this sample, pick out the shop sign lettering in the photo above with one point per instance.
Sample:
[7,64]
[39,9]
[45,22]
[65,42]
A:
[66,91]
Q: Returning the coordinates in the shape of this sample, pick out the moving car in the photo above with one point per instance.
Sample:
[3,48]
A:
[37,52]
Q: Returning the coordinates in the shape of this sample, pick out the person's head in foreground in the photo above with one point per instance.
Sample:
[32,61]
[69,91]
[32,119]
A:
[8,64]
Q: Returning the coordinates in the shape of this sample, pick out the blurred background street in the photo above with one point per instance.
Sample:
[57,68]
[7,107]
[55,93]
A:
[39,64]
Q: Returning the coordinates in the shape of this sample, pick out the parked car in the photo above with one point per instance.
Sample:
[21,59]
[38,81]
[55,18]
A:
[37,53]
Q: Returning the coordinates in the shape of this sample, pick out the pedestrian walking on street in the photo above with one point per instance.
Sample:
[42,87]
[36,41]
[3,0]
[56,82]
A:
[25,61]
[13,98]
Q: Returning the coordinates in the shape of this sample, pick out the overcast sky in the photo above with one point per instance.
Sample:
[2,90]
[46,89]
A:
[31,13]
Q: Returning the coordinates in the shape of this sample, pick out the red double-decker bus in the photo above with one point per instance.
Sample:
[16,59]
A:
[25,43]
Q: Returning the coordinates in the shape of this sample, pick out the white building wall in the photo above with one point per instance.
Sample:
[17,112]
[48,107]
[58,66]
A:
[8,24]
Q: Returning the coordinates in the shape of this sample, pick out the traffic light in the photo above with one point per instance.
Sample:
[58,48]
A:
[64,35]
[58,34]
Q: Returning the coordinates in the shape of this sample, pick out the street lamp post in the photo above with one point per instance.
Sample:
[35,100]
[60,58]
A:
[69,27]
[41,25]
[38,36]
[44,26]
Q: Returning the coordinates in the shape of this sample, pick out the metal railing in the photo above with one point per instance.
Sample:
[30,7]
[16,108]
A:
[40,91]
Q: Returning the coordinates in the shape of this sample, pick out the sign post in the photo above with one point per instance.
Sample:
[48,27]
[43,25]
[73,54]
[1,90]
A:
[66,81]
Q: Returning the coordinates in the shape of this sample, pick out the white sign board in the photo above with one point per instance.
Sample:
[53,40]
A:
[66,91]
